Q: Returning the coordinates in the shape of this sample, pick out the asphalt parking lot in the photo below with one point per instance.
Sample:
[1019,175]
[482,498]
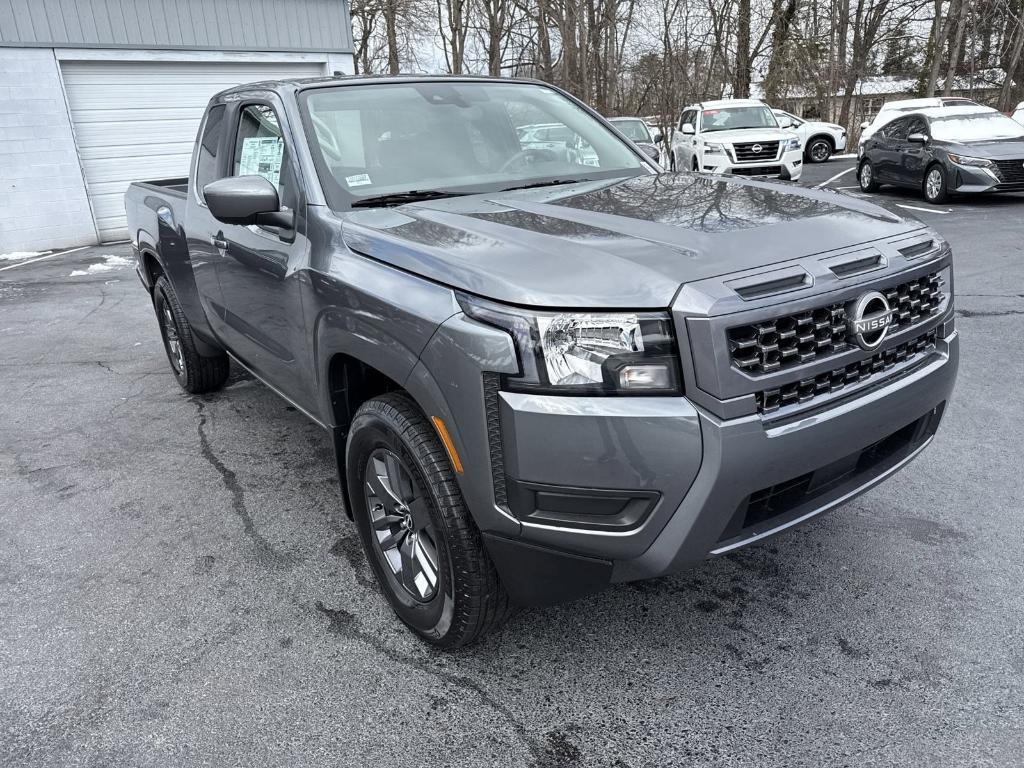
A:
[179,586]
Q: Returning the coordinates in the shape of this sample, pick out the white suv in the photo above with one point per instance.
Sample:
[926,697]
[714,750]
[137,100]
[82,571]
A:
[735,136]
[1018,114]
[819,140]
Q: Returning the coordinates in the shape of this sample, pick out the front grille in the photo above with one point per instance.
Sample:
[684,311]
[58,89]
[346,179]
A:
[758,170]
[807,389]
[1010,171]
[745,153]
[791,340]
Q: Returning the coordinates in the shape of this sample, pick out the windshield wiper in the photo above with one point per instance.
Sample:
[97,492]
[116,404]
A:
[552,183]
[399,198]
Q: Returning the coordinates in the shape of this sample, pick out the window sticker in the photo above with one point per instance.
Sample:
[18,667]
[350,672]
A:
[359,180]
[262,156]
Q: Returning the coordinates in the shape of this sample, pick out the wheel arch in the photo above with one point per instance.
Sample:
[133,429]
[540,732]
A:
[826,136]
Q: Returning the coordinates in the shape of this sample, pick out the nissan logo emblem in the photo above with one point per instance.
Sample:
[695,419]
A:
[868,320]
[756,149]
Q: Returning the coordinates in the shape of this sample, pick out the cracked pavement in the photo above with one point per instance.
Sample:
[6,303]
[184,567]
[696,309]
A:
[179,585]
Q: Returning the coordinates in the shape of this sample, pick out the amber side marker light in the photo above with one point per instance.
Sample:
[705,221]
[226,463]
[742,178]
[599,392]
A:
[449,446]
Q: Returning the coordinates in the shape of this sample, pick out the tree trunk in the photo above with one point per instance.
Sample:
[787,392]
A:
[741,77]
[955,49]
[391,30]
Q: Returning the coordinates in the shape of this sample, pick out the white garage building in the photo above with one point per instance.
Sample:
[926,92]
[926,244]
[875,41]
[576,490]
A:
[95,94]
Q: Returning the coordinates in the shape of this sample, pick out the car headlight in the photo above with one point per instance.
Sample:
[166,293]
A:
[971,162]
[793,143]
[597,353]
[713,148]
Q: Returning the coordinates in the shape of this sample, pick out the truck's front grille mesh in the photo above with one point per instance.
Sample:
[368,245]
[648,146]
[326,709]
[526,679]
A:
[791,340]
[831,381]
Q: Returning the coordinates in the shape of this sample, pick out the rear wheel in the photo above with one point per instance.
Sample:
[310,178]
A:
[866,176]
[819,150]
[422,544]
[195,373]
[935,191]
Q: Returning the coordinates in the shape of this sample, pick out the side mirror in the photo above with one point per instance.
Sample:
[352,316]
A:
[245,200]
[785,122]
[688,129]
[917,138]
[650,150]
[656,136]
[864,125]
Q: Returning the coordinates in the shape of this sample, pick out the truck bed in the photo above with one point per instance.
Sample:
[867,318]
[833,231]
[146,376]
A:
[173,187]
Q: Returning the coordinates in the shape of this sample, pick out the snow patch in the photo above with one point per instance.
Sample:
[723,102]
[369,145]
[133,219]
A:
[19,255]
[111,263]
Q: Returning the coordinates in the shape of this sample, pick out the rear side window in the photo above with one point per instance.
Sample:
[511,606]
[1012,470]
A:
[206,163]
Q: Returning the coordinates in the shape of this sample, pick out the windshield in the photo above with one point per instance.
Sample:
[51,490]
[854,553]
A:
[980,126]
[635,130]
[458,137]
[737,117]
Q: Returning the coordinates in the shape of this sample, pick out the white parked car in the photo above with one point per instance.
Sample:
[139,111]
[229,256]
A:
[819,140]
[740,137]
[892,108]
[1018,114]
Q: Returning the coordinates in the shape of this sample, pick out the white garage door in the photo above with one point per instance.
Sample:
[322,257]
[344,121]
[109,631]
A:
[138,120]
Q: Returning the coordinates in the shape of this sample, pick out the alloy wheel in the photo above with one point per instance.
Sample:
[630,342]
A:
[175,349]
[402,529]
[820,151]
[933,184]
[865,175]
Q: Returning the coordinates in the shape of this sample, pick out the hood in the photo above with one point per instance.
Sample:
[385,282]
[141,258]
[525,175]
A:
[612,244]
[1001,149]
[742,135]
[815,125]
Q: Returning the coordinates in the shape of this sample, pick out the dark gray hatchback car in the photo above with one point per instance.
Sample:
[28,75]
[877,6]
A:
[544,372]
[945,151]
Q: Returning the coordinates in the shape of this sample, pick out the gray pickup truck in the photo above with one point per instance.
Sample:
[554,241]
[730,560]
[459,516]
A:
[543,373]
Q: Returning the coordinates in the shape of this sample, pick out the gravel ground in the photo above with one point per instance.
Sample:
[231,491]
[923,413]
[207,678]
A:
[179,586]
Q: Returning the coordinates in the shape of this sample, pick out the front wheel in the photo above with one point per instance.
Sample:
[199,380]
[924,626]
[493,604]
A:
[819,151]
[195,373]
[935,190]
[866,176]
[422,544]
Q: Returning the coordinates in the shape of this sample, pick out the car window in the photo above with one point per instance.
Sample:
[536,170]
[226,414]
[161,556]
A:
[975,126]
[689,116]
[917,125]
[634,130]
[897,129]
[464,136]
[260,151]
[206,155]
[731,118]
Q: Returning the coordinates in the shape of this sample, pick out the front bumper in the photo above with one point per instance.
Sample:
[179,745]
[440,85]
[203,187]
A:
[968,179]
[719,483]
[788,167]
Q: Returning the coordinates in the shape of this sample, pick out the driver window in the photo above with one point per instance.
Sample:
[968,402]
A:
[897,129]
[260,151]
[917,125]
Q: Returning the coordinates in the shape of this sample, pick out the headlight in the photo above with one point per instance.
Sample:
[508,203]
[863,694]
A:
[971,162]
[713,148]
[598,353]
[793,143]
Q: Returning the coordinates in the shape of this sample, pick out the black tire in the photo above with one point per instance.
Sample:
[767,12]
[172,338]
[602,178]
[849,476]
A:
[866,178]
[694,166]
[935,190]
[672,161]
[819,150]
[468,600]
[195,373]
